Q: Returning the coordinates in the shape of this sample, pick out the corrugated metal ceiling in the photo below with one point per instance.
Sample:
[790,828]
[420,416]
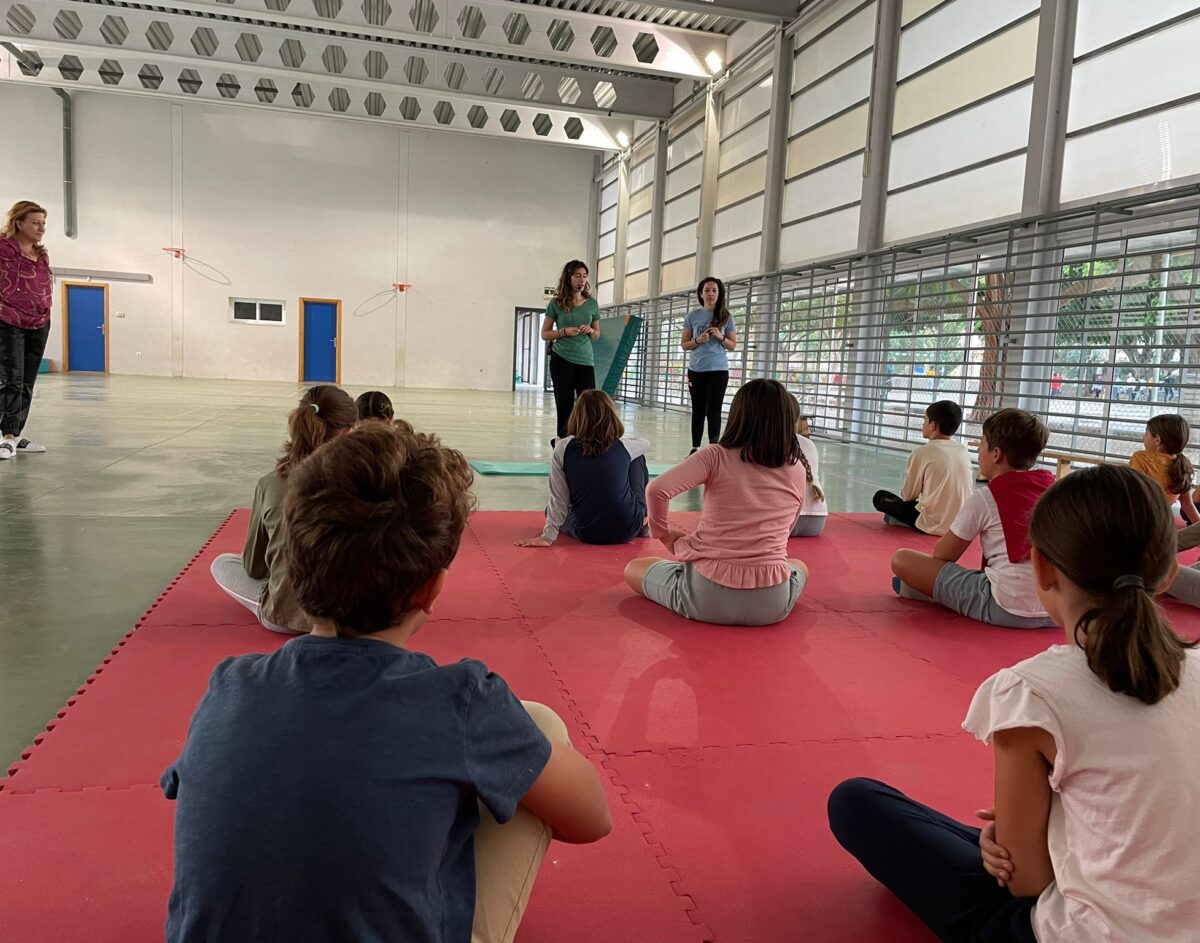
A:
[645,13]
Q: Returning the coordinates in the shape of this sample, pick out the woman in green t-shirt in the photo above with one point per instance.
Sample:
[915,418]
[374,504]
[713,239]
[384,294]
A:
[571,324]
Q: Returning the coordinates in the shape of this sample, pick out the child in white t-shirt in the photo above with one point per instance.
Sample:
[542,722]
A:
[814,512]
[1097,759]
[938,479]
[1002,592]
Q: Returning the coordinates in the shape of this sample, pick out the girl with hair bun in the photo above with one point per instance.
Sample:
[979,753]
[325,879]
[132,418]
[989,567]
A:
[258,577]
[1096,755]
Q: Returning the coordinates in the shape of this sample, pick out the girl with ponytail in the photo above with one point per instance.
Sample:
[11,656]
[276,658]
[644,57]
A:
[1096,754]
[257,578]
[1163,460]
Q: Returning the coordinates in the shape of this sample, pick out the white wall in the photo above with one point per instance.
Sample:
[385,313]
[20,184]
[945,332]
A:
[288,206]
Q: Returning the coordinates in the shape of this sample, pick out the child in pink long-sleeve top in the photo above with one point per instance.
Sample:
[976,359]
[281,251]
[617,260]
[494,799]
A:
[733,569]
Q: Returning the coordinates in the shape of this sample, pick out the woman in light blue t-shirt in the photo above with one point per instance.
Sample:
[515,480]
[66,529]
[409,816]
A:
[709,333]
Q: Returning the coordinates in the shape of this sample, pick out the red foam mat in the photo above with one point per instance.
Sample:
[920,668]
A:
[748,832]
[718,745]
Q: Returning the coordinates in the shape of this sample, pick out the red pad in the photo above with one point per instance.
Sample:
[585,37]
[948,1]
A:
[94,865]
[719,744]
[473,589]
[968,651]
[748,831]
[130,720]
[650,680]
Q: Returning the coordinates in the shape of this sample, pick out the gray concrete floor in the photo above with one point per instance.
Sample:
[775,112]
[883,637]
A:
[141,470]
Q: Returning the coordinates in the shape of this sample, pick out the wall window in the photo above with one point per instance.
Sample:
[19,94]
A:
[256,311]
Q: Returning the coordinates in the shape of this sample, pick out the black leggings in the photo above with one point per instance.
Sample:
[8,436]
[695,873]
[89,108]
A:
[570,379]
[897,508]
[708,396]
[21,352]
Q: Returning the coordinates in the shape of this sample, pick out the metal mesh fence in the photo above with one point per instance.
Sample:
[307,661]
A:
[1086,317]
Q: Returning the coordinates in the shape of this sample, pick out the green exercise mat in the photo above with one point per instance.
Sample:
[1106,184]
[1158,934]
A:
[539,469]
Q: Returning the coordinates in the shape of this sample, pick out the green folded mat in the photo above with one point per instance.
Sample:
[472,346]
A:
[539,469]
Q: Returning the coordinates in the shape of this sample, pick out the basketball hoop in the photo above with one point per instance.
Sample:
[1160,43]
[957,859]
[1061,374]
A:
[401,287]
[175,251]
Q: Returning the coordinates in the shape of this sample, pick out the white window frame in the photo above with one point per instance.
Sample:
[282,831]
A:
[258,302]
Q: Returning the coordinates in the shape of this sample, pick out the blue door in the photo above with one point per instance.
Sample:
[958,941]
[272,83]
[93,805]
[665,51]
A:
[85,328]
[320,342]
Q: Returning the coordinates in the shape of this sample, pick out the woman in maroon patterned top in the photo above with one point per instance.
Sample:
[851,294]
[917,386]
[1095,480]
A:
[25,290]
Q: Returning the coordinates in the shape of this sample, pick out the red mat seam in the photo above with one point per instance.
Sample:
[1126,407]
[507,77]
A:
[15,767]
[64,790]
[803,741]
[606,761]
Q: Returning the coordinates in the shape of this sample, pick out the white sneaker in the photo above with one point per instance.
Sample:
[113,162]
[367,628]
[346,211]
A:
[25,445]
[8,449]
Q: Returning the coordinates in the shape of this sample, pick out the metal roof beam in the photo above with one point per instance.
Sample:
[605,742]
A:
[132,33]
[492,27]
[324,96]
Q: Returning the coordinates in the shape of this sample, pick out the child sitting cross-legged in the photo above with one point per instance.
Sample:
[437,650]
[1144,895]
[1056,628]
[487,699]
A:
[733,569]
[598,478]
[1097,763]
[347,787]
[938,479]
[1002,593]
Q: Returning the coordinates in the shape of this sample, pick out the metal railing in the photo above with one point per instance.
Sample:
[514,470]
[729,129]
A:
[1087,317]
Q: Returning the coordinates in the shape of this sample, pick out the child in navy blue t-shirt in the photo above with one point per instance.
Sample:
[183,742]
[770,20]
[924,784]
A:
[347,787]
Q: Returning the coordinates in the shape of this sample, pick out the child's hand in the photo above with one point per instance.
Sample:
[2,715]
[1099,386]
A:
[671,538]
[570,331]
[538,541]
[995,858]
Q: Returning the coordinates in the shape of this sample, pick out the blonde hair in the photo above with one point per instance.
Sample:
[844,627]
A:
[17,214]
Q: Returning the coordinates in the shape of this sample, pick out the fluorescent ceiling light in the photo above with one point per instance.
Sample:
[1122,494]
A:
[623,139]
[714,63]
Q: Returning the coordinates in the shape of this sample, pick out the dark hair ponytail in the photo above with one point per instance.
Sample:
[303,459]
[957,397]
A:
[1130,645]
[324,412]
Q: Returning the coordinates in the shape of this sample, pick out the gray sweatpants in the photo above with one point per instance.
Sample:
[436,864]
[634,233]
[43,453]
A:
[230,575]
[1186,587]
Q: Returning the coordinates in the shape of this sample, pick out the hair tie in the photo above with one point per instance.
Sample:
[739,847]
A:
[315,407]
[1130,580]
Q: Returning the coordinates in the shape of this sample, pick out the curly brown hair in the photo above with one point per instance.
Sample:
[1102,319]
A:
[369,520]
[564,294]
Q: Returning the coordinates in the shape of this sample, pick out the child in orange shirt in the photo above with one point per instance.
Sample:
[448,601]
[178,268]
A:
[1163,460]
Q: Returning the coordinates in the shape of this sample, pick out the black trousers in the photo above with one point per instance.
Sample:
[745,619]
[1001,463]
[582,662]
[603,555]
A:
[930,861]
[569,379]
[897,508]
[707,388]
[21,352]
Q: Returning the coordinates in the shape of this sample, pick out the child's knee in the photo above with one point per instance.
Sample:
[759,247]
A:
[548,722]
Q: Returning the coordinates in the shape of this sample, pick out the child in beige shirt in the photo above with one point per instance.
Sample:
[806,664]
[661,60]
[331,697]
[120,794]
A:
[938,480]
